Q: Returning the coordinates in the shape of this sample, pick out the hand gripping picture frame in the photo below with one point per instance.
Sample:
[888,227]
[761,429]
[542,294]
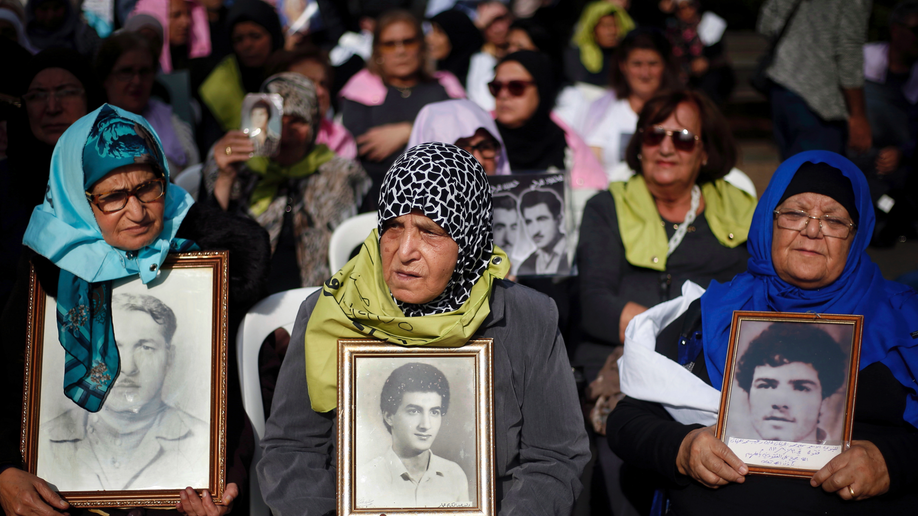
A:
[415,429]
[787,401]
[162,426]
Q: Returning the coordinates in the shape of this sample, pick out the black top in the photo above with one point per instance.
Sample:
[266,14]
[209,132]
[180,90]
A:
[646,437]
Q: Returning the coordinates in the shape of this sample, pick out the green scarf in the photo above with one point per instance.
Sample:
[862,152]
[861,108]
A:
[222,92]
[728,211]
[590,54]
[273,175]
[356,303]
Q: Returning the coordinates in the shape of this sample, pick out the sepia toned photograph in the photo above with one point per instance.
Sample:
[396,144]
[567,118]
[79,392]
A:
[531,223]
[789,399]
[416,426]
[155,429]
[262,115]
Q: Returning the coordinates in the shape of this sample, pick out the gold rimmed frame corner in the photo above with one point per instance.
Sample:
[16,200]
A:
[156,432]
[454,442]
[787,401]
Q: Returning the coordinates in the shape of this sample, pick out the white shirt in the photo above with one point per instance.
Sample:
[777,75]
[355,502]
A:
[481,72]
[384,482]
[612,135]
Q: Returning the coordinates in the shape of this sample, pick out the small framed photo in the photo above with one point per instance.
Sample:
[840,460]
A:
[415,429]
[162,426]
[532,223]
[262,115]
[788,394]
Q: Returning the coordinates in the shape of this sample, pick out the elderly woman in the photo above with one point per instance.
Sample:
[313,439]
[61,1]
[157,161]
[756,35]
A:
[126,65]
[676,220]
[464,124]
[430,264]
[379,103]
[299,195]
[185,30]
[808,240]
[108,216]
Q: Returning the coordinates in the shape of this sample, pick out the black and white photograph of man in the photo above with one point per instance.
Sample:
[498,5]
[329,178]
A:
[542,212]
[506,222]
[150,433]
[414,404]
[786,378]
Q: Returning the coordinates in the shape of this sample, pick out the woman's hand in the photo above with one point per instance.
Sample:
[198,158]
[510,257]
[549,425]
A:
[195,505]
[606,390]
[235,147]
[23,493]
[861,468]
[708,460]
[381,141]
[888,160]
[630,310]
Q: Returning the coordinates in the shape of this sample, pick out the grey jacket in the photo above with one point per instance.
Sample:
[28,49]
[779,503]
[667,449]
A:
[541,445]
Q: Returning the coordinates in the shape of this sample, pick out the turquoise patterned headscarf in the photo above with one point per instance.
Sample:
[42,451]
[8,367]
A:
[63,229]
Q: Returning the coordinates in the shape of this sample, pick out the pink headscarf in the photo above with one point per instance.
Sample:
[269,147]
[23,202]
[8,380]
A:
[449,120]
[198,37]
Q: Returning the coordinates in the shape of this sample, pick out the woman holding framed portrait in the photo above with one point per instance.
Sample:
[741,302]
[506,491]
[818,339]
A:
[429,276]
[807,243]
[111,217]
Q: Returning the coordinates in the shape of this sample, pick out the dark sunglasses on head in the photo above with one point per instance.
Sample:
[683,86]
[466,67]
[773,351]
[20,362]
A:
[408,44]
[516,88]
[683,140]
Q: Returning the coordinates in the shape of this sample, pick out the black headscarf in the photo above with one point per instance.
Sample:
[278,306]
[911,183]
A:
[539,143]
[464,38]
[263,14]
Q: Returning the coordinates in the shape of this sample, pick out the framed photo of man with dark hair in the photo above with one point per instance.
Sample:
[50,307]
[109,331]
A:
[787,401]
[161,426]
[415,429]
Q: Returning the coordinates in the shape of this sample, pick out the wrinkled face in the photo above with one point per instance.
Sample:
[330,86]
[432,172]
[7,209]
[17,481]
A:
[399,51]
[259,117]
[807,258]
[318,74]
[606,32]
[543,228]
[251,44]
[513,111]
[50,15]
[418,258]
[484,147]
[415,423]
[518,39]
[438,43]
[643,71]
[506,225]
[130,82]
[784,402]
[137,224]
[179,22]
[145,359]
[49,118]
[665,166]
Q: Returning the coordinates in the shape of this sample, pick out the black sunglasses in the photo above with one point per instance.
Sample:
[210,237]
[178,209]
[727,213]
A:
[683,140]
[516,87]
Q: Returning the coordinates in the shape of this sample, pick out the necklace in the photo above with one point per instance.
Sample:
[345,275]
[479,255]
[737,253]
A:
[689,218]
[406,92]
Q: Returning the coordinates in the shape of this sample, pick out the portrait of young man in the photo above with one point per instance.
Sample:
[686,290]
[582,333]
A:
[506,222]
[136,440]
[414,402]
[787,373]
[543,218]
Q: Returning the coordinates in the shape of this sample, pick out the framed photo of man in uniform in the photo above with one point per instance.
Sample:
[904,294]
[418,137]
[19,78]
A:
[162,424]
[788,394]
[415,429]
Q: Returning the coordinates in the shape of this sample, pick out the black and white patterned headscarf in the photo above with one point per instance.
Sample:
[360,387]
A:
[448,185]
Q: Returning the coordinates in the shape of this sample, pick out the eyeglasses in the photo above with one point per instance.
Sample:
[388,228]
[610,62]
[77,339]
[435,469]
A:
[798,221]
[683,140]
[110,202]
[409,44]
[61,95]
[487,148]
[516,88]
[126,74]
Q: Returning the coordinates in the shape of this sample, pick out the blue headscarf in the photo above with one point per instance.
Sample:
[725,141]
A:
[64,230]
[890,309]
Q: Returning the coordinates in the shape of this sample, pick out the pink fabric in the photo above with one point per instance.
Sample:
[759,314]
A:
[368,89]
[198,37]
[450,120]
[587,172]
[337,138]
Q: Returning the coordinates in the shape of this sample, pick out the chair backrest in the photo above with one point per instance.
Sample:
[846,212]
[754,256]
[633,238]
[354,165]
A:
[190,180]
[351,233]
[275,311]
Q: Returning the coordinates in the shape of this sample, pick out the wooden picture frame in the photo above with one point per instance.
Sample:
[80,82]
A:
[787,400]
[457,433]
[161,379]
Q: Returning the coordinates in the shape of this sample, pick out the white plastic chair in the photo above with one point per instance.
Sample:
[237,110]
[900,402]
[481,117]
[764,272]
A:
[190,180]
[275,311]
[351,233]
